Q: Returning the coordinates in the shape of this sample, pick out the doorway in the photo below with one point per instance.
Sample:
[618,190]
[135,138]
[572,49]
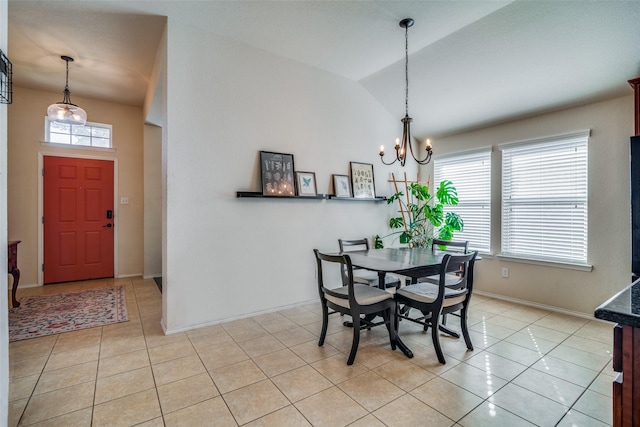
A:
[78,219]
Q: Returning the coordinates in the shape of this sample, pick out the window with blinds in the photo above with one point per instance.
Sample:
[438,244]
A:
[544,198]
[470,173]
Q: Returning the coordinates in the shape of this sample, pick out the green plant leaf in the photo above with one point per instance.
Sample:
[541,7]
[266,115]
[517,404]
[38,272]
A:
[445,233]
[454,221]
[447,193]
[434,214]
[396,222]
[377,242]
[405,238]
[394,197]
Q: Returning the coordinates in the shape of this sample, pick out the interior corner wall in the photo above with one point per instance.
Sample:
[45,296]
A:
[26,131]
[152,201]
[4,325]
[609,242]
[229,257]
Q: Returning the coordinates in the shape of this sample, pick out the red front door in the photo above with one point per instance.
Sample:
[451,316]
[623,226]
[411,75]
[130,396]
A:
[78,229]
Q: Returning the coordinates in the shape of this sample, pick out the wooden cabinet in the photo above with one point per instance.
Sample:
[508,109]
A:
[624,309]
[626,386]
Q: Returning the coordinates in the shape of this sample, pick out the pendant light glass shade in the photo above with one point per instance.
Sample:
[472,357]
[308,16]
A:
[65,112]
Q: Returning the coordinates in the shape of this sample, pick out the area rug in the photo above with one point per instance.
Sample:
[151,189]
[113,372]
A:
[43,315]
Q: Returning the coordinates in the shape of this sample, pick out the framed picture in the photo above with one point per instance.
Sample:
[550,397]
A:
[306,182]
[277,174]
[362,180]
[341,186]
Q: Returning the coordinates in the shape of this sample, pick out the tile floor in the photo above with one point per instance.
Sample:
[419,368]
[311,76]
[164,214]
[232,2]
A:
[530,367]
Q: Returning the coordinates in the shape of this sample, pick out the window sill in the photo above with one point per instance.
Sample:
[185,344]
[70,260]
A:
[77,147]
[567,265]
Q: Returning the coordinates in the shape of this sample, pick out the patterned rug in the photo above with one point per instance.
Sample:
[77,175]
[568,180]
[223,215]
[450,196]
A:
[43,315]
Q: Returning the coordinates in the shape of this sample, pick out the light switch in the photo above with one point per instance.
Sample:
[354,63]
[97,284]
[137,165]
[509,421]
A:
[124,200]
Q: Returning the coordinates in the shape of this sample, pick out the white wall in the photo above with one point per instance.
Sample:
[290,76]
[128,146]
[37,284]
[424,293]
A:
[152,201]
[229,257]
[611,124]
[4,332]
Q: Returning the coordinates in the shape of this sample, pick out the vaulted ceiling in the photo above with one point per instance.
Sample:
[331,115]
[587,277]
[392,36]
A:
[472,63]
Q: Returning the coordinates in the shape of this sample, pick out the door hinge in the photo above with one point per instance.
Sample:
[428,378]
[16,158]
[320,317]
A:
[42,267]
[43,219]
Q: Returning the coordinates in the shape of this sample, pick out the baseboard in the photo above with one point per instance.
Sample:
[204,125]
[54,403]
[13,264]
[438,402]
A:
[231,319]
[125,276]
[537,305]
[28,285]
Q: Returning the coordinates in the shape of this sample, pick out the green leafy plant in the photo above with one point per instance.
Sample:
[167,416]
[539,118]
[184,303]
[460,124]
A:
[422,216]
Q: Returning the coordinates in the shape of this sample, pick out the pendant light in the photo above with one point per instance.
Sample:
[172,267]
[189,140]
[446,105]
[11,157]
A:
[404,146]
[66,112]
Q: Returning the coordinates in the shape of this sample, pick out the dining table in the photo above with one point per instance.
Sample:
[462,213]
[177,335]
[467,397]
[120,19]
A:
[413,263]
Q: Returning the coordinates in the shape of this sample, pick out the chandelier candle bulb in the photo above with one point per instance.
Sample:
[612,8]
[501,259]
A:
[382,150]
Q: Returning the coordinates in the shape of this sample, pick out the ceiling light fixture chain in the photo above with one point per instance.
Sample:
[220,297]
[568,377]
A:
[405,145]
[66,112]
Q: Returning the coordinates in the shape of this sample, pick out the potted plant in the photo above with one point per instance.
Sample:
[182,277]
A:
[422,215]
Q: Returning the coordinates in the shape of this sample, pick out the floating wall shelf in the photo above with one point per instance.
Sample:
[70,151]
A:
[259,195]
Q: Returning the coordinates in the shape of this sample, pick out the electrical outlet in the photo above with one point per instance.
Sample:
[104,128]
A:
[505,272]
[124,200]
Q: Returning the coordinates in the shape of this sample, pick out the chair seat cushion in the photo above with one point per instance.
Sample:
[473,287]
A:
[365,295]
[428,292]
[450,279]
[370,277]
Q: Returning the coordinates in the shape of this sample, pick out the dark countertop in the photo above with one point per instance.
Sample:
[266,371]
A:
[622,308]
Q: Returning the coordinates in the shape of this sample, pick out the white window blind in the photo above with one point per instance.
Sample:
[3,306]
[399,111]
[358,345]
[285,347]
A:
[544,198]
[470,173]
[88,135]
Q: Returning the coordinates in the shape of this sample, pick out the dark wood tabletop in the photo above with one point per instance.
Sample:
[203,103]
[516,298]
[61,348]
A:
[410,262]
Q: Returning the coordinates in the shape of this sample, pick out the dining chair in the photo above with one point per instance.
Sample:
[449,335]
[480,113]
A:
[354,299]
[434,300]
[449,246]
[362,275]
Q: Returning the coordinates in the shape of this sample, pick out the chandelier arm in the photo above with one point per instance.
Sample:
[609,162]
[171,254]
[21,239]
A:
[388,164]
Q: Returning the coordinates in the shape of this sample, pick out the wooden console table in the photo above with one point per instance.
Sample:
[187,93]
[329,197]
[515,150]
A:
[14,270]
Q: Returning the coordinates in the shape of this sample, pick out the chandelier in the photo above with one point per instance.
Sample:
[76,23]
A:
[404,146]
[66,112]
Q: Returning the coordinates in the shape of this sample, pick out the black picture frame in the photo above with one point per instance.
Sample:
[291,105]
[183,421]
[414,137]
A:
[341,186]
[362,182]
[277,172]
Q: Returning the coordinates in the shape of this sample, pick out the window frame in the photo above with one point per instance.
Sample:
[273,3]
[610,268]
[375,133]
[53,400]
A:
[575,192]
[482,202]
[89,126]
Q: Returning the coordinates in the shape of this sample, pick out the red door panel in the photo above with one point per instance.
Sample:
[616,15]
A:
[78,245]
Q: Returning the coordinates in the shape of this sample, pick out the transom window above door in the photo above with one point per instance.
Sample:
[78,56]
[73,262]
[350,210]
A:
[95,135]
